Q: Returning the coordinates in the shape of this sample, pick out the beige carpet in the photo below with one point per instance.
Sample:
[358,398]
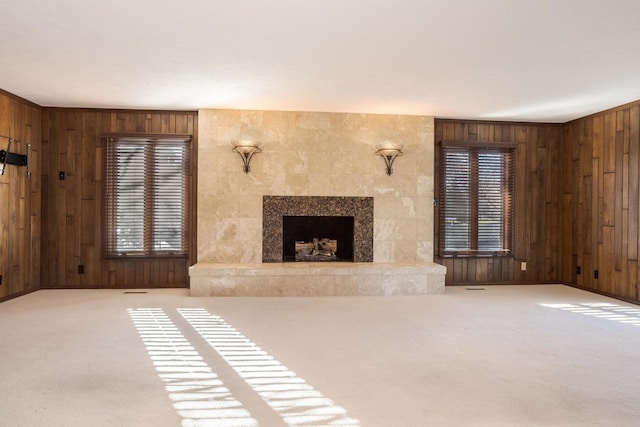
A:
[503,356]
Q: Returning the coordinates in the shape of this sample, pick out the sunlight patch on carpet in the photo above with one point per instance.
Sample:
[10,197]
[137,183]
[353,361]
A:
[605,310]
[286,393]
[198,395]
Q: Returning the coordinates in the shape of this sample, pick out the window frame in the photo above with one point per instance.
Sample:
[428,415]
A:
[109,233]
[508,178]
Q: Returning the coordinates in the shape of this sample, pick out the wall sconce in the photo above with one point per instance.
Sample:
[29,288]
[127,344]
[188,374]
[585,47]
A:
[389,151]
[246,149]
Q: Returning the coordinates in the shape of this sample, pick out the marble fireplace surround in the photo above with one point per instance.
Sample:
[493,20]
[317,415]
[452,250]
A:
[274,208]
[314,154]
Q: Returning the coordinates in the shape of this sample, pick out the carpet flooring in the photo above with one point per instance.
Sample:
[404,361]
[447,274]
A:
[546,355]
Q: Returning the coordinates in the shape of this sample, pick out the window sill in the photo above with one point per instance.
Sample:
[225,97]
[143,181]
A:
[476,255]
[145,257]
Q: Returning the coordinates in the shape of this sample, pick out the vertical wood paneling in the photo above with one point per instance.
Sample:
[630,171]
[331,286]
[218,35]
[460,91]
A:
[633,184]
[608,173]
[20,199]
[72,217]
[538,196]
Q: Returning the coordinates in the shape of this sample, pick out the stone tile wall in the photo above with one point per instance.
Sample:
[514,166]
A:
[313,154]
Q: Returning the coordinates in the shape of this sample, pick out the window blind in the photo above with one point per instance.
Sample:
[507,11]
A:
[146,196]
[476,200]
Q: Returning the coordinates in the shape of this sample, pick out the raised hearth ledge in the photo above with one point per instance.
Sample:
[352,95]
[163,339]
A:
[316,279]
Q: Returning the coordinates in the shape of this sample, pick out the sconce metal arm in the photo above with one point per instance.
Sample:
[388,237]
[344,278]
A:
[246,153]
[389,156]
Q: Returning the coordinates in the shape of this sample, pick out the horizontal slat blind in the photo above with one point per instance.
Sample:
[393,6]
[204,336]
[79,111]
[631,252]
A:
[147,190]
[169,192]
[495,194]
[476,200]
[130,197]
[457,200]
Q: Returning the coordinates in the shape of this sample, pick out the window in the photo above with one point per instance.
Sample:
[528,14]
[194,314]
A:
[476,199]
[146,196]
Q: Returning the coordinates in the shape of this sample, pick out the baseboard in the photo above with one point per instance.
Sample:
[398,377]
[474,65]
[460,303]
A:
[19,294]
[603,293]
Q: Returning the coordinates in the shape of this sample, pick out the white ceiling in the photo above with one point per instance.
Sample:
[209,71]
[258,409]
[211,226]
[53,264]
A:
[533,60]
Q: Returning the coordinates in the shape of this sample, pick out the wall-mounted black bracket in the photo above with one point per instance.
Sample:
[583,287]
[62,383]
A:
[13,158]
[9,158]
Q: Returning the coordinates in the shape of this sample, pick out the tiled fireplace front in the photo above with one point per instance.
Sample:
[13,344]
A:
[313,163]
[275,208]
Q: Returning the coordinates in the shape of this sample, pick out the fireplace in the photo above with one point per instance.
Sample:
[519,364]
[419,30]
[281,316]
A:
[317,238]
[347,220]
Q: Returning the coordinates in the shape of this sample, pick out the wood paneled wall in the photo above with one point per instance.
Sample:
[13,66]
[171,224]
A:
[600,176]
[72,208]
[537,203]
[19,199]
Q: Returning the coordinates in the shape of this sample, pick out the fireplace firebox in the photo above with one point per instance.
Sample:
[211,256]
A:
[317,238]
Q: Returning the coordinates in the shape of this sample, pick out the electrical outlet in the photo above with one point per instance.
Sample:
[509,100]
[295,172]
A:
[80,269]
[578,270]
[523,266]
[595,274]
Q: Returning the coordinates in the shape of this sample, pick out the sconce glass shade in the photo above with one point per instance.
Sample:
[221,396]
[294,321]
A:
[246,149]
[389,151]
